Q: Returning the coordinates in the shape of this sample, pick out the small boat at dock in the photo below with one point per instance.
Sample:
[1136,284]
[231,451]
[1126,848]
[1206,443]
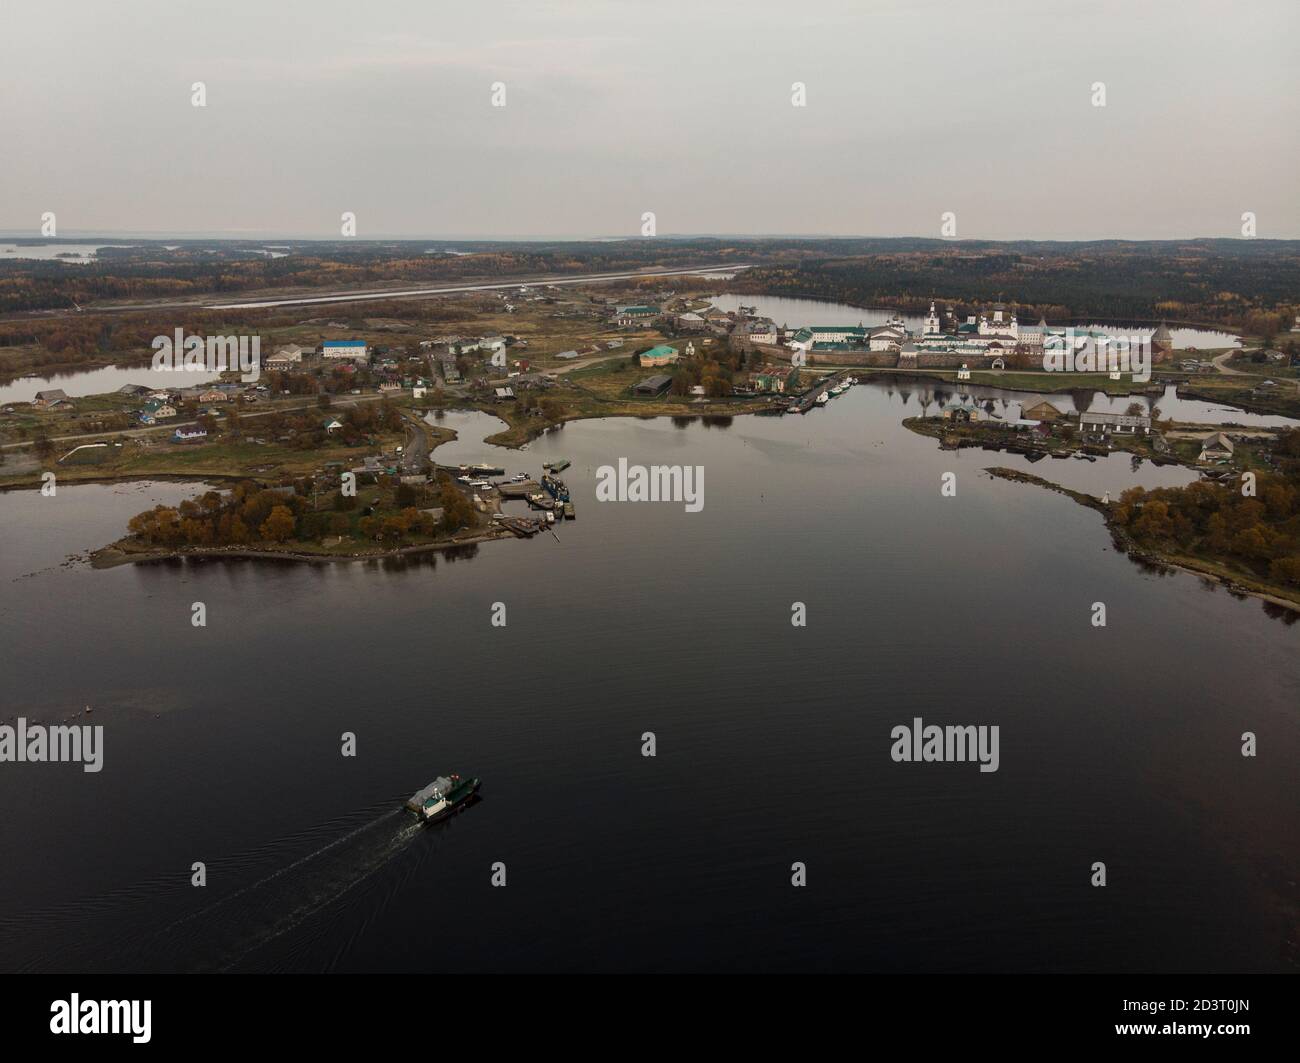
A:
[557,466]
[556,488]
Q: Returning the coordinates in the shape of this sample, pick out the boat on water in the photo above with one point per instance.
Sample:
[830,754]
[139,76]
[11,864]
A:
[556,488]
[558,466]
[823,399]
[838,389]
[442,798]
[569,512]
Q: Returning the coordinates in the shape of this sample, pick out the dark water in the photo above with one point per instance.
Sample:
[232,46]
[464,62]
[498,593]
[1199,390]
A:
[1118,744]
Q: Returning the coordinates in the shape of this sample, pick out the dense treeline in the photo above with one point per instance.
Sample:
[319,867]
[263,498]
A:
[713,372]
[119,338]
[154,272]
[68,341]
[249,515]
[1110,278]
[1259,533]
[1245,285]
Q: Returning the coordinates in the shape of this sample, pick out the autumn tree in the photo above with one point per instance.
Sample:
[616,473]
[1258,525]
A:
[279,525]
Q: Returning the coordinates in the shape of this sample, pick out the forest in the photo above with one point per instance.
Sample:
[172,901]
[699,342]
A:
[249,514]
[153,271]
[1259,532]
[1243,285]
[1207,280]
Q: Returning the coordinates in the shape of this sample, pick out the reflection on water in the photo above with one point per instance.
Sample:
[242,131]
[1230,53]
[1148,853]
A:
[80,382]
[796,313]
[223,744]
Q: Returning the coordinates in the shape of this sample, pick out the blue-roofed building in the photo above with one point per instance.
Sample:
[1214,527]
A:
[354,350]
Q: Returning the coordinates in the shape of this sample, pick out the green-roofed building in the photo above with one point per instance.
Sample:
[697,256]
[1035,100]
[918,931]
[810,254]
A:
[661,355]
[636,315]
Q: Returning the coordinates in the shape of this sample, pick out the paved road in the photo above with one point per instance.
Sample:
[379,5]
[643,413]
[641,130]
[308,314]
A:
[415,454]
[370,295]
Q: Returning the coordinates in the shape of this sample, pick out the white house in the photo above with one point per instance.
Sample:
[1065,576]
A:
[1119,423]
[887,337]
[289,357]
[355,350]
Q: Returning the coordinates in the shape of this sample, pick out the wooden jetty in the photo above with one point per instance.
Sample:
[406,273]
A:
[521,527]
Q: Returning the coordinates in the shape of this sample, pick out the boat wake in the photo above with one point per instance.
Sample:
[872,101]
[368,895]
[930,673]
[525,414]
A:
[229,932]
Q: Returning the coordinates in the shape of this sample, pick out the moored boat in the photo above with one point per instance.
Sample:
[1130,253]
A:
[556,488]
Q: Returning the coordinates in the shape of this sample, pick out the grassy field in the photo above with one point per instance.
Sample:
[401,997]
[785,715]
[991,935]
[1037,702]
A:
[1239,391]
[1048,383]
[233,459]
[605,390]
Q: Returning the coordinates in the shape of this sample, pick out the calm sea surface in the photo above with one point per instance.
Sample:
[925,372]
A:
[222,744]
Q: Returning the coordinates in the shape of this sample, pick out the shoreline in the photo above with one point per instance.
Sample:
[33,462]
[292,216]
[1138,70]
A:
[113,556]
[1142,555]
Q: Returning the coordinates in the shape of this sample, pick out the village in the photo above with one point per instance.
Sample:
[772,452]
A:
[1044,430]
[353,404]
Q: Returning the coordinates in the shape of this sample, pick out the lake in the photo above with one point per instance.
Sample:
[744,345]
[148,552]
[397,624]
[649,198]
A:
[222,744]
[101,381]
[77,254]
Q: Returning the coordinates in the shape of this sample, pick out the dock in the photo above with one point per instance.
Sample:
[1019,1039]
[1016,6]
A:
[808,400]
[521,527]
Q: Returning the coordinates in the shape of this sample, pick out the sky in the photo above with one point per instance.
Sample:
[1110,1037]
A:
[613,109]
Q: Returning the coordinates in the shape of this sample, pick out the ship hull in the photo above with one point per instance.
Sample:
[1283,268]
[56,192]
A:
[459,805]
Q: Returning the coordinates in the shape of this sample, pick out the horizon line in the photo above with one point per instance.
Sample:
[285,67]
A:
[254,236]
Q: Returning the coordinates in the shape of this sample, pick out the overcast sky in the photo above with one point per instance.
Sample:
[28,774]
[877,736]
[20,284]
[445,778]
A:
[612,109]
